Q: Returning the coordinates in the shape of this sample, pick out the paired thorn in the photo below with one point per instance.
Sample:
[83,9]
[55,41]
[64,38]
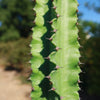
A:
[29,62]
[81,90]
[78,38]
[77,23]
[48,77]
[54,31]
[61,98]
[35,14]
[80,56]
[80,63]
[52,89]
[48,58]
[33,9]
[58,15]
[34,22]
[79,81]
[31,29]
[77,10]
[29,45]
[57,67]
[57,48]
[29,79]
[50,22]
[54,7]
[50,39]
[82,72]
[81,46]
[50,83]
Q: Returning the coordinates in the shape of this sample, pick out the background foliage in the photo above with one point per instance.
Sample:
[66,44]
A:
[16,21]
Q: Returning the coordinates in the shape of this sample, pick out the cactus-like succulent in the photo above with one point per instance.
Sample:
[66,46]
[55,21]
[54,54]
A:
[55,51]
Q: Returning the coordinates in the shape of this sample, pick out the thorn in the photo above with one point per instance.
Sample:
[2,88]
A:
[80,56]
[29,79]
[78,31]
[54,7]
[80,81]
[54,31]
[48,58]
[81,46]
[50,83]
[48,77]
[61,98]
[57,67]
[33,22]
[50,22]
[58,15]
[81,90]
[50,39]
[78,38]
[29,45]
[80,63]
[82,72]
[57,48]
[29,62]
[33,9]
[77,10]
[52,89]
[35,14]
[77,23]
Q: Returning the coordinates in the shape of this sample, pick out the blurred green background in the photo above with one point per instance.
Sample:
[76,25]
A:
[16,21]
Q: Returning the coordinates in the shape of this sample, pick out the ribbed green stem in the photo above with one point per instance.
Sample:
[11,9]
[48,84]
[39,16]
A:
[37,76]
[65,78]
